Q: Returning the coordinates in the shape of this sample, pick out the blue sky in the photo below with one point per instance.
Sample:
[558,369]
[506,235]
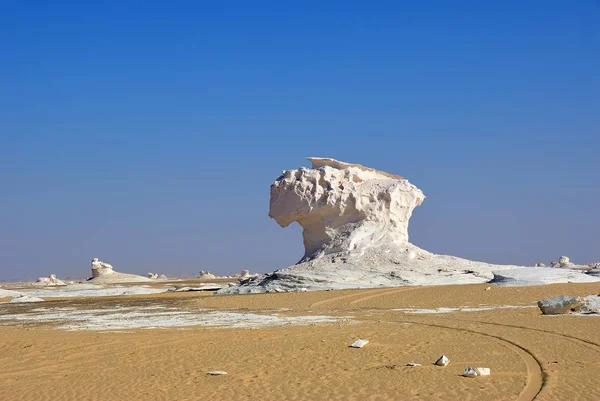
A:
[147,133]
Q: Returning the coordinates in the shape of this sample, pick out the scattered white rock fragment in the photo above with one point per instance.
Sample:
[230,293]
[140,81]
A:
[359,343]
[540,265]
[442,361]
[474,372]
[488,288]
[412,364]
[206,275]
[216,372]
[560,305]
[25,298]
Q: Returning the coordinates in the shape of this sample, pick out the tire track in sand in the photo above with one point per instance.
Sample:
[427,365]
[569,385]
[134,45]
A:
[581,341]
[341,297]
[388,292]
[535,375]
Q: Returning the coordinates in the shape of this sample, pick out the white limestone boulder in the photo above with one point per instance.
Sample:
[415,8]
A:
[560,305]
[591,305]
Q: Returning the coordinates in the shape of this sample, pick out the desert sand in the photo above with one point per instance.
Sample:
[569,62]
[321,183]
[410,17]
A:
[531,356]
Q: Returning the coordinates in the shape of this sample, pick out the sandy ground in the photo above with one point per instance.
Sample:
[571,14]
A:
[531,356]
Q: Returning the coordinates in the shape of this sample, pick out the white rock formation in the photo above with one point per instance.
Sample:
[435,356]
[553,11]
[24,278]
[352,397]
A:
[152,275]
[103,273]
[355,231]
[344,207]
[560,305]
[591,304]
[50,280]
[206,275]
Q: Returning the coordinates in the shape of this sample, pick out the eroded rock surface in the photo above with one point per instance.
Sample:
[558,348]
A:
[355,233]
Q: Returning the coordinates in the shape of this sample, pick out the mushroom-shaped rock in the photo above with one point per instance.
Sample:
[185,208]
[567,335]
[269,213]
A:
[355,233]
[560,305]
[343,206]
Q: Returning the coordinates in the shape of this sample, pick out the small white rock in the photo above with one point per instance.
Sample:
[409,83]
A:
[474,372]
[412,364]
[216,372]
[359,343]
[442,361]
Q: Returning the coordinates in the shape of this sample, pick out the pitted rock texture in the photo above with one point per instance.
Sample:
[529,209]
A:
[344,207]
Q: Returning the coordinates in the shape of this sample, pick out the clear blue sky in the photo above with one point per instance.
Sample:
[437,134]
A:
[147,133]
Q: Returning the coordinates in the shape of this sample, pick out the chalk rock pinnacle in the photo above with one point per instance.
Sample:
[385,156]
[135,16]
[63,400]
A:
[100,268]
[344,207]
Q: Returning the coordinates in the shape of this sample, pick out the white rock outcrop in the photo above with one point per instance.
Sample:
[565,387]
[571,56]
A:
[206,275]
[103,273]
[50,280]
[355,232]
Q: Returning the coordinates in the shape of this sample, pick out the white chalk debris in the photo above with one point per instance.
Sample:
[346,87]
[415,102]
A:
[474,372]
[412,364]
[216,373]
[442,361]
[359,343]
[25,298]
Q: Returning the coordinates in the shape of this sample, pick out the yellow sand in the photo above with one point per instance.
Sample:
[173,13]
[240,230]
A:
[530,355]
